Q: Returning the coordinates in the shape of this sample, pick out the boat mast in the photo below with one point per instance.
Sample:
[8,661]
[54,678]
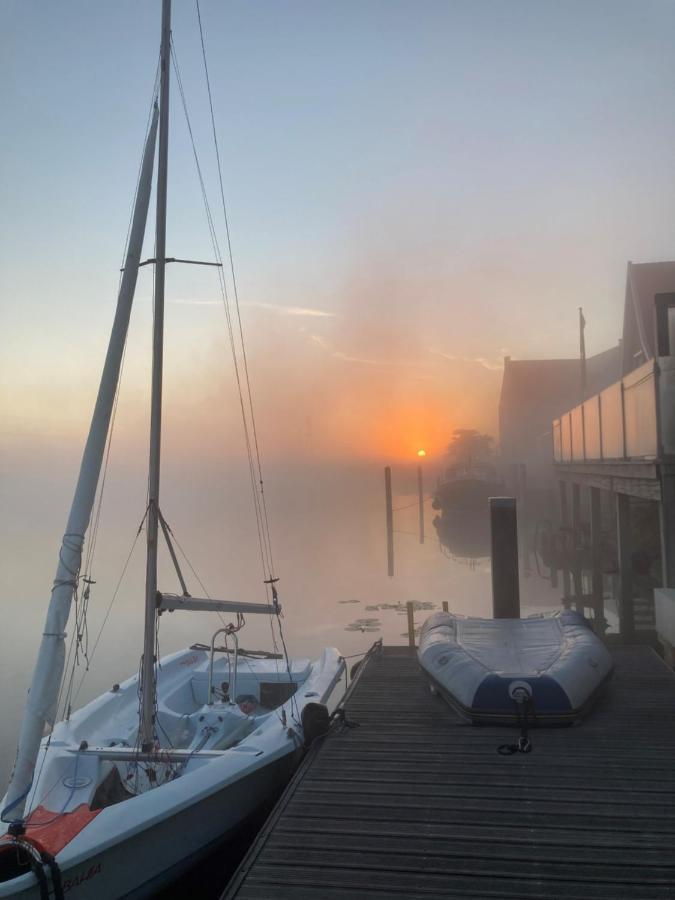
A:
[147,711]
[41,705]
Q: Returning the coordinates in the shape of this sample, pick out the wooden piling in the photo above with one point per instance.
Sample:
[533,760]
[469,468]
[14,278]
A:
[420,493]
[411,623]
[505,586]
[390,521]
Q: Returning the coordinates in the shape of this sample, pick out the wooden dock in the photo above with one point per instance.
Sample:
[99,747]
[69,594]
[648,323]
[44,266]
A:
[413,803]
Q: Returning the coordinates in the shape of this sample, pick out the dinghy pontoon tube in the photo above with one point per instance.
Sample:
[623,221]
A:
[480,664]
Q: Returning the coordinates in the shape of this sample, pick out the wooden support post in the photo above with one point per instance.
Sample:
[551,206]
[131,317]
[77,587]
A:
[576,551]
[505,586]
[667,517]
[564,523]
[420,493]
[411,624]
[390,521]
[596,561]
[626,615]
[445,606]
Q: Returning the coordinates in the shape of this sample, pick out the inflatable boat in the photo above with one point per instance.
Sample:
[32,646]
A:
[485,668]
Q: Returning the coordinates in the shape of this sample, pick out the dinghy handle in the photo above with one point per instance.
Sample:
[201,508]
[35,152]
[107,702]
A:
[232,689]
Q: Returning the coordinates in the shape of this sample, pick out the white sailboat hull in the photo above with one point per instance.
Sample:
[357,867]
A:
[143,864]
[134,845]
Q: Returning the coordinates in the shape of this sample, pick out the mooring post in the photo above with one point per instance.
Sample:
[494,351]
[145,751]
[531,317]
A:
[505,587]
[390,521]
[420,493]
[411,623]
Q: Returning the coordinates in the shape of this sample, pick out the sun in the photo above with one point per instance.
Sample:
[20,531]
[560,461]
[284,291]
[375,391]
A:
[421,453]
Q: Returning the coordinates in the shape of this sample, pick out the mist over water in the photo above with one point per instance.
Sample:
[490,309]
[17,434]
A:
[328,531]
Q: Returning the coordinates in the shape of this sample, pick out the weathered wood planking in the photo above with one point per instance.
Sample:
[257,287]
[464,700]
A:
[414,803]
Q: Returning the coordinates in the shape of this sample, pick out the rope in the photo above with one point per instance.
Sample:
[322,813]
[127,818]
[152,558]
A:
[410,505]
[524,704]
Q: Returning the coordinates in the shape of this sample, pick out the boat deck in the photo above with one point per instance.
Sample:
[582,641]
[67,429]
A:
[414,803]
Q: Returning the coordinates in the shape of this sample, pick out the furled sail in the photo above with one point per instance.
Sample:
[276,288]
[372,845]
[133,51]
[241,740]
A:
[43,695]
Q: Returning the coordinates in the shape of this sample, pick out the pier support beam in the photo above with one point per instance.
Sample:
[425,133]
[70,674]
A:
[576,548]
[667,517]
[626,612]
[565,524]
[596,561]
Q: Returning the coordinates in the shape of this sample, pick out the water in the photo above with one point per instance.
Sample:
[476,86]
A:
[328,529]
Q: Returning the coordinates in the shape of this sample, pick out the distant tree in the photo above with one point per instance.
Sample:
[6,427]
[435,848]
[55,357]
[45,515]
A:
[468,447]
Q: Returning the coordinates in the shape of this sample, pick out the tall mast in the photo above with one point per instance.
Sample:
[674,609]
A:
[41,705]
[147,713]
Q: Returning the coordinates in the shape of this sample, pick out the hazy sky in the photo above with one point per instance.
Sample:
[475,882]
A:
[415,189]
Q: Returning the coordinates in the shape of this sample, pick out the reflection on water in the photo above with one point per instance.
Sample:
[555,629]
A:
[465,534]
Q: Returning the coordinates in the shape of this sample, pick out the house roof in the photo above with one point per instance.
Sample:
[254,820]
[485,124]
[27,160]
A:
[643,282]
[554,385]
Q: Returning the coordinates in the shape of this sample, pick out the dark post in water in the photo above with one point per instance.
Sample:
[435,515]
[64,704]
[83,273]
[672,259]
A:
[390,522]
[505,588]
[420,492]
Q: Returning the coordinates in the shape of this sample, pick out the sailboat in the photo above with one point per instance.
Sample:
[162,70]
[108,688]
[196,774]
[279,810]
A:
[122,795]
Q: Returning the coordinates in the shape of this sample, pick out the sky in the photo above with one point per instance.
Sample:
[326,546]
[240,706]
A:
[414,189]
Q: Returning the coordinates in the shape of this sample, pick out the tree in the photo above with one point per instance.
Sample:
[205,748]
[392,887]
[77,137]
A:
[468,447]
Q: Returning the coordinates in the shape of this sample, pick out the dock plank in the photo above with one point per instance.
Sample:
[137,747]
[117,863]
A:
[415,803]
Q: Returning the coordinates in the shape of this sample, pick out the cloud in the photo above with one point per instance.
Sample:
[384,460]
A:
[293,310]
[492,365]
[192,301]
[365,361]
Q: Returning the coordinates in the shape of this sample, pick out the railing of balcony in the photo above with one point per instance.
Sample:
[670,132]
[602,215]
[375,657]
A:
[631,419]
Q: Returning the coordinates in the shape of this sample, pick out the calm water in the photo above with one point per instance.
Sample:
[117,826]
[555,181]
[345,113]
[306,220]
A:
[329,542]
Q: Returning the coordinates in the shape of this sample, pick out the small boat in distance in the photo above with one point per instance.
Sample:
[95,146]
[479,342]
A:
[485,668]
[119,797]
[470,477]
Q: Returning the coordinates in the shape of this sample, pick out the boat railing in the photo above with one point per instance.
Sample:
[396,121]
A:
[232,686]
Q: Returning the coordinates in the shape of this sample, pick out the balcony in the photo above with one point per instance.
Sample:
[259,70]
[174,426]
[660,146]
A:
[633,420]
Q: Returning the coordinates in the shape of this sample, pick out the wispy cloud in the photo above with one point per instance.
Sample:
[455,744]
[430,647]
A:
[492,365]
[293,310]
[365,361]
[193,301]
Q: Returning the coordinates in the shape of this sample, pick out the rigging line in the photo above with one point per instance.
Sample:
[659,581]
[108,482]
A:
[410,505]
[224,295]
[193,570]
[236,293]
[259,505]
[112,601]
[262,541]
